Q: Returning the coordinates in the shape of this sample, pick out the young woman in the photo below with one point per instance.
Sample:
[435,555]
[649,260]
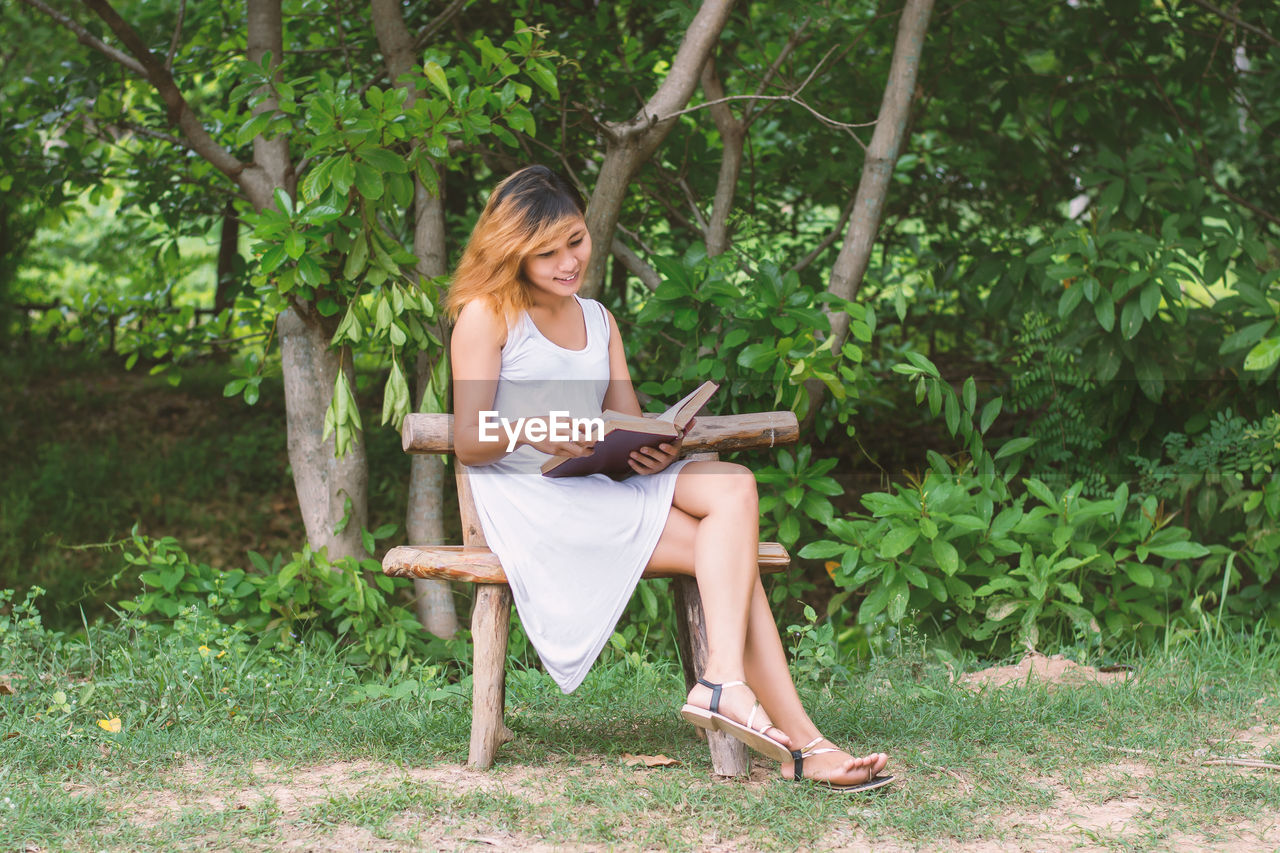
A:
[525,345]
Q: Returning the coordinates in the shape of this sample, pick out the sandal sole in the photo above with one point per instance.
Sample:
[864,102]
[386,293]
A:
[704,719]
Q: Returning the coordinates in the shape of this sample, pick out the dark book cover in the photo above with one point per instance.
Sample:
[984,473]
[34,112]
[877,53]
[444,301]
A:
[625,434]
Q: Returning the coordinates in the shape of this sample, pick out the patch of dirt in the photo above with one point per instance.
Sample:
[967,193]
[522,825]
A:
[1053,671]
[1108,806]
[1253,742]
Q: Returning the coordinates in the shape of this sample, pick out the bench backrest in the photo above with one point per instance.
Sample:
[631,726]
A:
[433,433]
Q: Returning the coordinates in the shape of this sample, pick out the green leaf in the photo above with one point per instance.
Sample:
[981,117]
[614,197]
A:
[436,75]
[946,556]
[1071,297]
[1246,337]
[356,258]
[1139,574]
[1014,445]
[970,394]
[1042,492]
[989,413]
[283,201]
[368,181]
[294,245]
[1104,309]
[384,160]
[1180,550]
[1131,319]
[1149,299]
[544,77]
[1264,354]
[899,596]
[897,540]
[822,549]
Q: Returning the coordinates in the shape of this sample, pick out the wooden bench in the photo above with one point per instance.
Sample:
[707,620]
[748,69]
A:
[473,562]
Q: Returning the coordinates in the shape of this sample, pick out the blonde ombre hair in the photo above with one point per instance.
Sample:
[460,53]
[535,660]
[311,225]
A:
[528,212]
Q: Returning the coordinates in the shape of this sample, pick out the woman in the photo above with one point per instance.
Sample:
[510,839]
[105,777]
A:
[524,345]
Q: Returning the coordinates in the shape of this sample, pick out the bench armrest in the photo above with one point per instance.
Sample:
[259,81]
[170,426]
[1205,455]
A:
[433,433]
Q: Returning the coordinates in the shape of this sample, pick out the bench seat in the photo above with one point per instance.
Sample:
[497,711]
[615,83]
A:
[471,564]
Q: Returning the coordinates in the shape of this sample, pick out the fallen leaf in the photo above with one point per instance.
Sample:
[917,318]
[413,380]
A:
[112,725]
[6,689]
[647,760]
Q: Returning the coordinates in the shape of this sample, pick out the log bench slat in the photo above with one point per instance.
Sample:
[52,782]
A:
[469,564]
[433,433]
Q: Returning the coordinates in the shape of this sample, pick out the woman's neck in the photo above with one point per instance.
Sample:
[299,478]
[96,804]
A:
[551,304]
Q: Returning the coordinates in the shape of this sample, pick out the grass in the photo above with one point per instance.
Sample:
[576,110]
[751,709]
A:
[254,751]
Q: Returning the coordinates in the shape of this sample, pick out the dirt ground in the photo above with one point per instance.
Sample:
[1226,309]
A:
[1126,814]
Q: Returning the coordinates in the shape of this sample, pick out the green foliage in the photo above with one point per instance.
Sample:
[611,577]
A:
[971,558]
[281,601]
[1226,482]
[1048,386]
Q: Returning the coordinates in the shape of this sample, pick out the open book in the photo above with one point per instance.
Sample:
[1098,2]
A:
[624,434]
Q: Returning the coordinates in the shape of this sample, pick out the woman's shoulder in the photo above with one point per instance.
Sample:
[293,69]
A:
[479,321]
[593,309]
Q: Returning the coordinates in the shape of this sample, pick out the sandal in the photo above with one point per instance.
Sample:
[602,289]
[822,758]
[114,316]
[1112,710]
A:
[712,720]
[799,755]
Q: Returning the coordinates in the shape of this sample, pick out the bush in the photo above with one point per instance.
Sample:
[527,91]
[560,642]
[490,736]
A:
[346,602]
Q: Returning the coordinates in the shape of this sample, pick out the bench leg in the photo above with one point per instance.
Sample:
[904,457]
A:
[728,755]
[490,623]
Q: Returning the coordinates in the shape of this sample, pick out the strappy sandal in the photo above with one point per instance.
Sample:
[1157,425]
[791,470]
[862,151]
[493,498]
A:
[806,751]
[712,720]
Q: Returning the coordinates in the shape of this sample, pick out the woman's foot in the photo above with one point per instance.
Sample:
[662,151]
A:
[823,761]
[731,707]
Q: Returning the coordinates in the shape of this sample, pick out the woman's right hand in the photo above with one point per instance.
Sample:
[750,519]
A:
[554,447]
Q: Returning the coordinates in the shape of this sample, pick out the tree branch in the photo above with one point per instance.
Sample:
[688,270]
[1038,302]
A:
[826,241]
[750,114]
[1237,20]
[89,39]
[732,133]
[177,34]
[827,120]
[419,42]
[636,265]
[266,36]
[179,111]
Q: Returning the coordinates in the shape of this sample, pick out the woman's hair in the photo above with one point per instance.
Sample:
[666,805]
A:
[530,211]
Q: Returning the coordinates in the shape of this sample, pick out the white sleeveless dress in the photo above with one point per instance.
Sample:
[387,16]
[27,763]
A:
[573,548]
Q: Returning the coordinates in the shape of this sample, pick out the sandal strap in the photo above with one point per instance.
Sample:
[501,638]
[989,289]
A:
[799,755]
[714,707]
[811,744]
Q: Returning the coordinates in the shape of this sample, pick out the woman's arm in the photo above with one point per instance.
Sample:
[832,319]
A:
[475,358]
[621,397]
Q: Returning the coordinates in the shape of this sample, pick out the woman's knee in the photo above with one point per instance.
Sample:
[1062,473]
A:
[736,491]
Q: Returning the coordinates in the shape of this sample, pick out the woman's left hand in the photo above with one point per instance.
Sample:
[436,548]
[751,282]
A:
[651,460]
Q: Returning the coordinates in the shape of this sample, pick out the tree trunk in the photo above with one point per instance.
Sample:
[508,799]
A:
[424,516]
[228,260]
[732,138]
[631,143]
[332,491]
[882,156]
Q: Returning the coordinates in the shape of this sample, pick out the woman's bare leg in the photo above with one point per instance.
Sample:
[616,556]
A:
[712,533]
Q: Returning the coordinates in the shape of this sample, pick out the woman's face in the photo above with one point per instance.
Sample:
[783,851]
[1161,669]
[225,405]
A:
[558,270]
